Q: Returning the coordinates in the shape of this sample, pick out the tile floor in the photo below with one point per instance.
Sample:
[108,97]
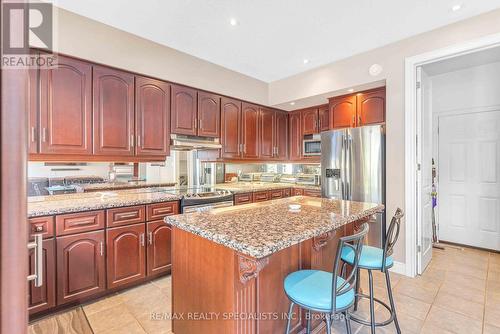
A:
[458,293]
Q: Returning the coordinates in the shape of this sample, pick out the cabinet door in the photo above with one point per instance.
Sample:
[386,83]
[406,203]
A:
[184,111]
[309,121]
[44,297]
[267,120]
[343,111]
[159,247]
[65,108]
[208,115]
[324,118]
[371,107]
[80,266]
[126,256]
[33,125]
[281,135]
[230,128]
[113,112]
[250,130]
[152,117]
[295,135]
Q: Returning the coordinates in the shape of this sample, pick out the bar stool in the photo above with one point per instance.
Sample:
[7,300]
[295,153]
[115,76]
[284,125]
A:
[373,258]
[325,292]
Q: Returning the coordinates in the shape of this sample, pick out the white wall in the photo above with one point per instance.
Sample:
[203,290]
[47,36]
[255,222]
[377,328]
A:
[38,169]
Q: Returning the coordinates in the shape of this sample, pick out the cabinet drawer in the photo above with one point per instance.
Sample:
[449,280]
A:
[125,216]
[79,222]
[298,192]
[260,196]
[243,198]
[274,194]
[43,225]
[160,210]
[312,193]
[287,192]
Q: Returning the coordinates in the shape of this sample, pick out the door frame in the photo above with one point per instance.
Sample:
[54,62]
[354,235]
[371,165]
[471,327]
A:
[413,132]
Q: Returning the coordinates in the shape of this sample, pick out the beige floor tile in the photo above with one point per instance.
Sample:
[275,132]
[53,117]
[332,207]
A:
[493,286]
[147,289]
[430,328]
[70,322]
[151,326]
[460,305]
[102,304]
[474,295]
[163,283]
[494,266]
[492,314]
[110,318]
[490,329]
[465,281]
[453,322]
[130,328]
[423,292]
[493,276]
[411,306]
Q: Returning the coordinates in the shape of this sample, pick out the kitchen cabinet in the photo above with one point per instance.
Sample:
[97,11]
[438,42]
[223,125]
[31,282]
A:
[126,255]
[371,107]
[80,266]
[260,196]
[311,192]
[267,124]
[230,128]
[44,297]
[79,222]
[208,115]
[297,192]
[113,93]
[343,111]
[184,119]
[243,198]
[33,125]
[127,215]
[152,117]
[250,130]
[281,135]
[309,121]
[323,118]
[65,105]
[275,194]
[159,255]
[295,135]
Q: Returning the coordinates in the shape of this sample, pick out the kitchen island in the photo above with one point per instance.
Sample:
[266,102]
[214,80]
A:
[229,264]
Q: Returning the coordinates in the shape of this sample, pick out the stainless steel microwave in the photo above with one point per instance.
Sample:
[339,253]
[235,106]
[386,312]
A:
[311,146]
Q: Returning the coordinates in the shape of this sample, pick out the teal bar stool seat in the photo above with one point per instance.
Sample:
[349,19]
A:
[325,292]
[373,258]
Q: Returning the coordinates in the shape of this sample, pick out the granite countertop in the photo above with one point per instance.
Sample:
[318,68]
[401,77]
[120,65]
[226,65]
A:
[261,229]
[66,203]
[123,185]
[247,187]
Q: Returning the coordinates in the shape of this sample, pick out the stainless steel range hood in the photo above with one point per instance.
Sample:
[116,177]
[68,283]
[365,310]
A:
[189,143]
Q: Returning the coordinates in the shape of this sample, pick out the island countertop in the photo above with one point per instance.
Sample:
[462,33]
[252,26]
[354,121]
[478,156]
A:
[261,229]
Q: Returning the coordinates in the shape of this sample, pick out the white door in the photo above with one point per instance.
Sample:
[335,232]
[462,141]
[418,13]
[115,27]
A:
[469,172]
[424,152]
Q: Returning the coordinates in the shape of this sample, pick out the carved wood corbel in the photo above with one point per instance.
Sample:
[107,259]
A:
[249,268]
[321,240]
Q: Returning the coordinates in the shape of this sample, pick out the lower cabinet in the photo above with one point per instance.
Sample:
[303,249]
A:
[312,193]
[297,192]
[260,196]
[126,254]
[44,297]
[80,266]
[159,256]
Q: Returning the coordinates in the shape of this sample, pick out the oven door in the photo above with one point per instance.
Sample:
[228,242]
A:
[311,147]
[206,207]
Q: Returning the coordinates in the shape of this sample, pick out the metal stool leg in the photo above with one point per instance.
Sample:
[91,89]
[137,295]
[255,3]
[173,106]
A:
[372,304]
[391,300]
[347,323]
[328,324]
[308,322]
[356,298]
[289,320]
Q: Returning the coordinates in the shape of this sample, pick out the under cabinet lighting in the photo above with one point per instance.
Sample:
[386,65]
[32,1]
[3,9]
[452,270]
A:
[350,90]
[292,103]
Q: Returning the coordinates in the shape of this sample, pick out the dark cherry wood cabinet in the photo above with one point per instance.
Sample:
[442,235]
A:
[230,128]
[65,105]
[44,297]
[113,93]
[323,118]
[267,140]
[126,254]
[310,121]
[33,124]
[281,136]
[159,255]
[152,117]
[184,118]
[371,107]
[343,112]
[250,130]
[208,115]
[80,266]
[295,135]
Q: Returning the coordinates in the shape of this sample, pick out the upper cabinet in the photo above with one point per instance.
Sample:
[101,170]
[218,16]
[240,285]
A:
[323,118]
[315,120]
[208,115]
[281,135]
[65,108]
[364,108]
[152,117]
[113,112]
[267,123]
[295,135]
[250,130]
[184,115]
[230,128]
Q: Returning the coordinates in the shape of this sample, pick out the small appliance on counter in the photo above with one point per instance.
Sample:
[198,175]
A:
[270,177]
[309,179]
[250,177]
[288,178]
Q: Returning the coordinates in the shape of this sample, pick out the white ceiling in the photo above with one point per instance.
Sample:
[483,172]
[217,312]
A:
[273,37]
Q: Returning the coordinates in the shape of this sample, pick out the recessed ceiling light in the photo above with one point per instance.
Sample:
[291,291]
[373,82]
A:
[306,61]
[350,90]
[292,103]
[233,22]
[456,7]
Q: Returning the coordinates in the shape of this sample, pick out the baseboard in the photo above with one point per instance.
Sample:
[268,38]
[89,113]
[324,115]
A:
[398,268]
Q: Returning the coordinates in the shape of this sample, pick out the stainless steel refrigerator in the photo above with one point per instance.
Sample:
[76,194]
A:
[353,168]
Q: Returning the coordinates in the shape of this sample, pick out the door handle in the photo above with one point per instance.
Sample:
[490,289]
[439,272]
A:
[142,239]
[150,238]
[201,124]
[131,140]
[101,251]
[138,140]
[33,134]
[37,245]
[44,134]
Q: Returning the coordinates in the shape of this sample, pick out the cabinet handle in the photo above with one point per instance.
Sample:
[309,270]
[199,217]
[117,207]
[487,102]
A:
[37,245]
[244,148]
[44,134]
[359,120]
[38,228]
[126,215]
[164,210]
[201,124]
[138,140]
[131,140]
[33,134]
[102,248]
[150,238]
[142,239]
[195,124]
[353,120]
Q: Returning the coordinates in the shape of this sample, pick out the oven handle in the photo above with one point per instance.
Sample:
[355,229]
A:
[202,207]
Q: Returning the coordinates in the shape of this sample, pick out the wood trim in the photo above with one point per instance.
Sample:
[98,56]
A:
[72,223]
[249,268]
[44,225]
[125,216]
[161,210]
[99,158]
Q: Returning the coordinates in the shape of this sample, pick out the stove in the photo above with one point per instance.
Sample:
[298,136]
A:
[203,198]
